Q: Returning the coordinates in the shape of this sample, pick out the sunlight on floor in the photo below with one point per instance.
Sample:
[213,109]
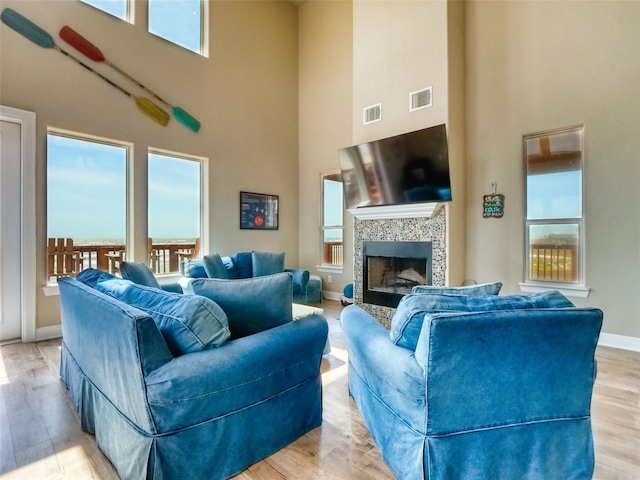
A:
[337,372]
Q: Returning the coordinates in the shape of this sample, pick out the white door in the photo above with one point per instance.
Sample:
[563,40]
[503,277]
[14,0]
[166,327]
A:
[10,231]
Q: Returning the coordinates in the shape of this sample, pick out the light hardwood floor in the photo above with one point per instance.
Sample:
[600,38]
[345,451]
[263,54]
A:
[40,436]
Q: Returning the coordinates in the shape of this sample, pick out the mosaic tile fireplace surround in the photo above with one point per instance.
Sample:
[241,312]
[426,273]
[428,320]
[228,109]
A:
[418,229]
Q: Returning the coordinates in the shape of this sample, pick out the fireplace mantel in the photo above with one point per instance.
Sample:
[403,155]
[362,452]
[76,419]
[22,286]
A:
[407,210]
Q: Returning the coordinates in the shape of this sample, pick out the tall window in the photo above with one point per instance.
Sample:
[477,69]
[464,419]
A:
[554,206]
[117,8]
[175,200]
[332,219]
[179,21]
[86,201]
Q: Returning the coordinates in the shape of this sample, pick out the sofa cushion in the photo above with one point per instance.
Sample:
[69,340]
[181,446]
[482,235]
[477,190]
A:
[406,323]
[193,268]
[267,263]
[232,271]
[188,323]
[252,304]
[243,262]
[139,273]
[470,290]
[214,266]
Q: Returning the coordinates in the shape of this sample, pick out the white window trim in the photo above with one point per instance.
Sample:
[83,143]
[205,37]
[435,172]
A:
[568,290]
[325,267]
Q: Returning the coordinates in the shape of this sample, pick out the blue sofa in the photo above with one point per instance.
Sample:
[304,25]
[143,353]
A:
[172,388]
[483,387]
[243,265]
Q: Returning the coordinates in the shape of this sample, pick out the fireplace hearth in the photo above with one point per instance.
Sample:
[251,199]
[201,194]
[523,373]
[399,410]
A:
[392,268]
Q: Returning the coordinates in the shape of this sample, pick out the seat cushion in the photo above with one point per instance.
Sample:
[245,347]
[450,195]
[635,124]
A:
[470,290]
[214,266]
[252,304]
[188,323]
[406,323]
[267,263]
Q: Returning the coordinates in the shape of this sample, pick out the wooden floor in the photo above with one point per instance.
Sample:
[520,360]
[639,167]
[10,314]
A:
[40,436]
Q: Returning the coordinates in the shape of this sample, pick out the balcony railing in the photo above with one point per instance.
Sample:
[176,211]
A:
[333,253]
[106,257]
[554,263]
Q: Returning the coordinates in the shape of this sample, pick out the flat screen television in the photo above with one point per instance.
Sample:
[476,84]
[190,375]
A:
[408,168]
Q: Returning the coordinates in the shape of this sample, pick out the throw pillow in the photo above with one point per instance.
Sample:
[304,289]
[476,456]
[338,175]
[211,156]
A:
[471,290]
[267,263]
[193,268]
[252,304]
[139,273]
[406,323]
[214,267]
[243,262]
[188,323]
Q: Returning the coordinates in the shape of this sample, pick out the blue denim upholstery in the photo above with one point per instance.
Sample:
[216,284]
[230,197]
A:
[246,315]
[267,263]
[406,323]
[140,273]
[202,415]
[470,290]
[485,395]
[243,265]
[188,323]
[214,266]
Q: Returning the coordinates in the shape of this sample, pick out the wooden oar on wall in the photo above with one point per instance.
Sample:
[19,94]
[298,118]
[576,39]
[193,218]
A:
[87,48]
[37,35]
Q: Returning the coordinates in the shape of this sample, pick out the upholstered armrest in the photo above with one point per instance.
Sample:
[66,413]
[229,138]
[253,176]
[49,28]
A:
[300,279]
[214,383]
[371,353]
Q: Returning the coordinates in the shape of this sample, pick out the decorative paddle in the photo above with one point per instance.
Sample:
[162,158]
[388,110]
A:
[87,48]
[38,36]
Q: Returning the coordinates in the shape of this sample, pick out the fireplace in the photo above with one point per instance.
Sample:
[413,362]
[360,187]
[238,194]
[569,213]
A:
[392,269]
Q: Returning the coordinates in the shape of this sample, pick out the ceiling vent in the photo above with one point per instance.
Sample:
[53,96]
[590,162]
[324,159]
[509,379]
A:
[420,99]
[372,114]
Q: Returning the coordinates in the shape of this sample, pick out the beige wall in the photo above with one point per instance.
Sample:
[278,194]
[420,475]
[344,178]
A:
[326,66]
[400,47]
[245,95]
[534,66]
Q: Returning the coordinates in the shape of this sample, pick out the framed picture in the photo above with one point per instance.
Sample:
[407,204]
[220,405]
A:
[258,211]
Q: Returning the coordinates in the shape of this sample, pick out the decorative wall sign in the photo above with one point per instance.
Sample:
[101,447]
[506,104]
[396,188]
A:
[258,211]
[493,205]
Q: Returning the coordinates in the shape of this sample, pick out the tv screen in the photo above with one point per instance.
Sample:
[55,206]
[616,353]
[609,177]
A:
[408,168]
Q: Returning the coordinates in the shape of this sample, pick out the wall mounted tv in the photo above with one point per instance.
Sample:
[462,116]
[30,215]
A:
[408,168]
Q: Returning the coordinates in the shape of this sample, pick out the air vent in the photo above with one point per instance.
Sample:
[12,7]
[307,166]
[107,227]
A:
[420,99]
[372,114]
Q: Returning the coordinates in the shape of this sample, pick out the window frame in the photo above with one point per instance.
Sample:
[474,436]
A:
[569,288]
[329,267]
[129,15]
[203,48]
[128,146]
[204,211]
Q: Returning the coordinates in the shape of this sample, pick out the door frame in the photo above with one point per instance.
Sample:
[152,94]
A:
[27,121]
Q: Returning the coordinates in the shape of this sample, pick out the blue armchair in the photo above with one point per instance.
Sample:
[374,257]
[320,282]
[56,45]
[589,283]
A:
[501,393]
[171,392]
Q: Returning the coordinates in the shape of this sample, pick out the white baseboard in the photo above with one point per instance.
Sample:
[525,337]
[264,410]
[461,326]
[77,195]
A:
[619,341]
[331,295]
[47,333]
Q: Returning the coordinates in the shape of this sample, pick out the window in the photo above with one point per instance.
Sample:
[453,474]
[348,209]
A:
[86,201]
[179,21]
[554,206]
[332,224]
[117,8]
[175,200]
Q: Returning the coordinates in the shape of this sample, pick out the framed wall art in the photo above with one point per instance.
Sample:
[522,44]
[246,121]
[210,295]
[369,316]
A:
[258,211]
